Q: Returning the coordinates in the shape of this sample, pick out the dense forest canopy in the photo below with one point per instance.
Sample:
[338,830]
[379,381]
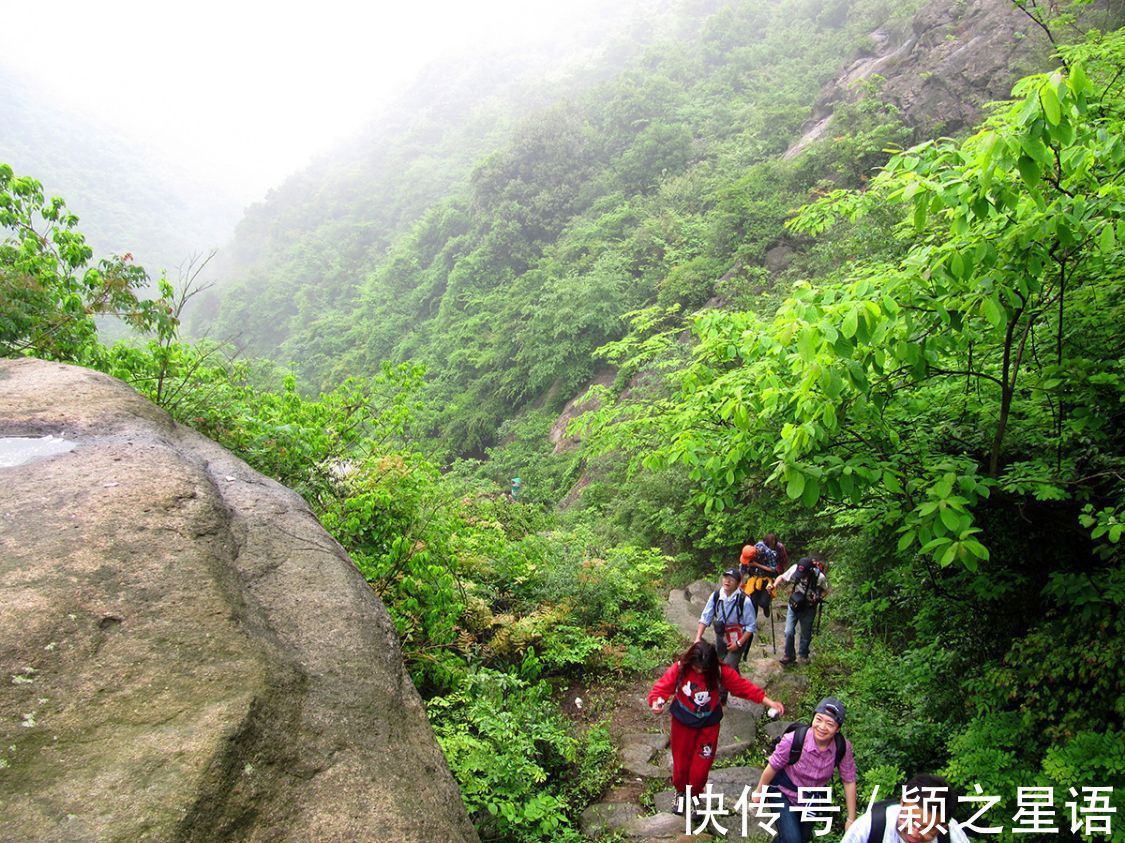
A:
[896,344]
[620,191]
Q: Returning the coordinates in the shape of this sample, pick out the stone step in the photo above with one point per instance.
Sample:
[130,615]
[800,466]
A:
[730,782]
[605,818]
[776,728]
[641,754]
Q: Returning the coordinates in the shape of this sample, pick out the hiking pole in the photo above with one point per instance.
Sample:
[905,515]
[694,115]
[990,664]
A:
[819,615]
[772,589]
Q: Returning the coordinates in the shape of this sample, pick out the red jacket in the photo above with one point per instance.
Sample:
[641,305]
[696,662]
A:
[693,703]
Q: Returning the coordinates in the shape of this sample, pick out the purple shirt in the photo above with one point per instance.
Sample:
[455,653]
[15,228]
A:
[814,769]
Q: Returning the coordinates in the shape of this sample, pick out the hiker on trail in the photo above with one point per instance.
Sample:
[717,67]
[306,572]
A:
[810,587]
[923,814]
[746,560]
[694,685]
[807,756]
[734,618]
[762,562]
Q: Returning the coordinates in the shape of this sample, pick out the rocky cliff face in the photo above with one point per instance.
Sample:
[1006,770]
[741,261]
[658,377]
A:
[957,56]
[185,653]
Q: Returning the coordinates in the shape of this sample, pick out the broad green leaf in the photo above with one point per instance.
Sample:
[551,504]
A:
[951,519]
[957,265]
[796,485]
[905,540]
[992,312]
[976,549]
[811,493]
[1035,147]
[1107,240]
[1076,80]
[920,211]
[1029,171]
[892,483]
[807,342]
[934,544]
[1051,107]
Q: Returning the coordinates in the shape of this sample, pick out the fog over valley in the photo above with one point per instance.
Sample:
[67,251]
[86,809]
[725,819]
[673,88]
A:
[160,124]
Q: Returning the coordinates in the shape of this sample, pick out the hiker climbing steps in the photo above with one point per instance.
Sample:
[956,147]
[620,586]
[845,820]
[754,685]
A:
[645,754]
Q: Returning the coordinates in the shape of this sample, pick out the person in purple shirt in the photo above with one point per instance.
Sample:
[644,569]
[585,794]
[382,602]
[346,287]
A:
[823,750]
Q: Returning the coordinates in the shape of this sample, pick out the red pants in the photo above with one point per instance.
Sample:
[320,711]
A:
[693,753]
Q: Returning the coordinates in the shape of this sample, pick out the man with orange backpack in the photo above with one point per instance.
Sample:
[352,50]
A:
[760,563]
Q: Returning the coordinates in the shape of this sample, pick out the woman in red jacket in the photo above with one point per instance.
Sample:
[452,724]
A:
[693,684]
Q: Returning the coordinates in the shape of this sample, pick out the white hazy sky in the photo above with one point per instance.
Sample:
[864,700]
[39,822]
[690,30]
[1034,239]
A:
[248,92]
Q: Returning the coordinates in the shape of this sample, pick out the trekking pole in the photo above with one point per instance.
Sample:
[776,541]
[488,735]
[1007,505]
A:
[819,615]
[773,636]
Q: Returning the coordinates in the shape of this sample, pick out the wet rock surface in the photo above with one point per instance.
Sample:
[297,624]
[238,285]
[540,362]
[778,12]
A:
[186,654]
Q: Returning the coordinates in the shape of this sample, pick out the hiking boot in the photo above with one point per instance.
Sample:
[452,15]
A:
[803,659]
[785,660]
[678,808]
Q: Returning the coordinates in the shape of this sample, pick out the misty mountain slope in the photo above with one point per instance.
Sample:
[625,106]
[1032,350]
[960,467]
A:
[661,184]
[326,224]
[128,200]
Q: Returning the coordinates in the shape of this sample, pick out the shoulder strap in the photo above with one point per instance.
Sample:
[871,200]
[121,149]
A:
[879,820]
[725,617]
[798,744]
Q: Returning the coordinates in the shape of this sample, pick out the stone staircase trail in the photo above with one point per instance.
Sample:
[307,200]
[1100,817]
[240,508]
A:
[645,756]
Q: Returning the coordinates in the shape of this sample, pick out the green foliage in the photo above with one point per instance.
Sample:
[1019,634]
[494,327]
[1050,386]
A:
[1060,678]
[49,295]
[897,704]
[596,765]
[879,781]
[503,740]
[488,604]
[991,753]
[845,395]
[647,182]
[942,408]
[936,406]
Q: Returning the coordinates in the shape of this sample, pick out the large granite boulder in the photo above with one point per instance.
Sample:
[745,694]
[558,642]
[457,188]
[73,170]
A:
[185,653]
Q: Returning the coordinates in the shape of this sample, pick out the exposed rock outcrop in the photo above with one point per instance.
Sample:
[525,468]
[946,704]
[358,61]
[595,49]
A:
[957,56]
[186,654]
[574,408]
